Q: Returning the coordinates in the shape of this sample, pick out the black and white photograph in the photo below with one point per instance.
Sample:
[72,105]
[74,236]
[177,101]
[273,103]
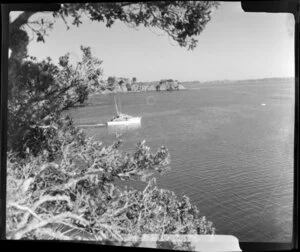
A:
[153,124]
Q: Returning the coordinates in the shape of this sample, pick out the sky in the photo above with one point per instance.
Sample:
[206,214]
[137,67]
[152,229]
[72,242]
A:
[234,45]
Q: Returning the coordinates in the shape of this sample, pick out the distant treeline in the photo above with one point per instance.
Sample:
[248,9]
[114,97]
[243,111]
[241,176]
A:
[116,84]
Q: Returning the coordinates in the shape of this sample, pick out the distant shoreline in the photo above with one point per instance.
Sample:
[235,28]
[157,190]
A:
[239,81]
[141,91]
[186,85]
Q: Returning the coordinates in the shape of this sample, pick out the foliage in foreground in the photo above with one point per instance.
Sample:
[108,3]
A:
[40,93]
[62,185]
[77,196]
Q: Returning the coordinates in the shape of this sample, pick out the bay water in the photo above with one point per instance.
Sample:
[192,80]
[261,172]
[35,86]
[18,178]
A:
[231,148]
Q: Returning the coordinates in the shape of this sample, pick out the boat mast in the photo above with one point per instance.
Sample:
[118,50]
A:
[116,105]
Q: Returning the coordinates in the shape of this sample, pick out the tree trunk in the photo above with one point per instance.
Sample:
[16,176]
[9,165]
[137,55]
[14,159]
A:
[18,43]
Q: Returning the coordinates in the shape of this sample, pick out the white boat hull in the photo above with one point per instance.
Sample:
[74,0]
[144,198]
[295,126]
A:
[136,120]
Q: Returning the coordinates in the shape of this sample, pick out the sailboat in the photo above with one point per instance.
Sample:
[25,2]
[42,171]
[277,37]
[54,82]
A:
[123,119]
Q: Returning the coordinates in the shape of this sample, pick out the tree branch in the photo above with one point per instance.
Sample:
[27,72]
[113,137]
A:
[21,20]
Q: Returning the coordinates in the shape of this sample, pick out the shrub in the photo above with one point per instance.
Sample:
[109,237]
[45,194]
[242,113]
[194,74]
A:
[42,92]
[78,194]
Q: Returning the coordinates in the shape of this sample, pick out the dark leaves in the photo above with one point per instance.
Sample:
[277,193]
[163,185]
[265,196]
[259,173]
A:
[42,92]
[40,37]
[182,21]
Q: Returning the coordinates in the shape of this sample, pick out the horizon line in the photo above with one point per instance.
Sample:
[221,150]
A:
[219,80]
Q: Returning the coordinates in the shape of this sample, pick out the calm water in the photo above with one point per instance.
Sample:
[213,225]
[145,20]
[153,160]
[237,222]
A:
[231,155]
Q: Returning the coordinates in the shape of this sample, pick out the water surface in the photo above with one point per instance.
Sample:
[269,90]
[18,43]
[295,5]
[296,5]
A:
[230,154]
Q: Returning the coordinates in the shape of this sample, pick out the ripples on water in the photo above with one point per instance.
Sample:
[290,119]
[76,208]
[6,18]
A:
[230,155]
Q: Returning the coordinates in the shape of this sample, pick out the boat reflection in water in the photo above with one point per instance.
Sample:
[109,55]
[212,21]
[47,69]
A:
[122,129]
